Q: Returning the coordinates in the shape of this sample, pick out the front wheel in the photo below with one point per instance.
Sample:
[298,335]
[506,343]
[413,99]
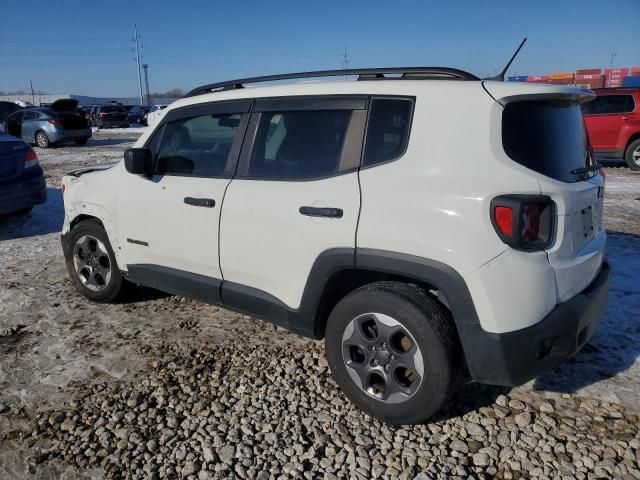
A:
[632,155]
[91,262]
[42,140]
[393,350]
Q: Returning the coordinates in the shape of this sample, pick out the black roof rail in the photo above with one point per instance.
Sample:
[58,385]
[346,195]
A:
[406,73]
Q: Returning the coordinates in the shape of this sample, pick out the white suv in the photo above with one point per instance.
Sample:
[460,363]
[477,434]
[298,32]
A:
[432,227]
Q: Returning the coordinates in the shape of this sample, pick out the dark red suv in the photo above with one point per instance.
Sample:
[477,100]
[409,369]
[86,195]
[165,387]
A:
[613,123]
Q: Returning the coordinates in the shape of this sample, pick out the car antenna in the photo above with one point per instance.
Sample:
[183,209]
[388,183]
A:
[500,76]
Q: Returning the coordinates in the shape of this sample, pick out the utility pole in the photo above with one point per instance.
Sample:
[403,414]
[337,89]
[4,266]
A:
[136,39]
[345,60]
[613,55]
[145,66]
[33,97]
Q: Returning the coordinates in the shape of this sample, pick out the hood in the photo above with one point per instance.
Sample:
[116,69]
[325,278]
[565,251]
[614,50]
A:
[64,105]
[96,168]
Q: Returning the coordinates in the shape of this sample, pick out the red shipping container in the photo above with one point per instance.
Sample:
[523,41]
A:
[589,71]
[588,76]
[623,72]
[635,71]
[537,78]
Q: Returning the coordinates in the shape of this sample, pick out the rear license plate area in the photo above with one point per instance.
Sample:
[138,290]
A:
[588,229]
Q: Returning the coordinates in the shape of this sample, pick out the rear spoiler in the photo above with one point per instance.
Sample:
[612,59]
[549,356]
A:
[505,92]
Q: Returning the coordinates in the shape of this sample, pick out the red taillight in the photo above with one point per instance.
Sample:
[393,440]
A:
[102,114]
[524,222]
[504,220]
[54,121]
[30,159]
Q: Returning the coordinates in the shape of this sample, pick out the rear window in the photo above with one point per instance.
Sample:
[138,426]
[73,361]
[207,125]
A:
[609,104]
[113,108]
[547,137]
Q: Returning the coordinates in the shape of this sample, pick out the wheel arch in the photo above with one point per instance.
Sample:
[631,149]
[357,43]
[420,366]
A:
[632,138]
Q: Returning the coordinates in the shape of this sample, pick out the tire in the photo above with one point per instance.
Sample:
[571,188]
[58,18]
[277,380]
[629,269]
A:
[423,331]
[91,263]
[632,155]
[42,140]
[81,141]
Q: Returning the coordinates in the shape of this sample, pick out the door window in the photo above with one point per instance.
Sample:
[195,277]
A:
[609,104]
[30,115]
[299,144]
[197,146]
[387,130]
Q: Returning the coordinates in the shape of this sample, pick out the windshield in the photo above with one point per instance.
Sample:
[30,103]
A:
[548,137]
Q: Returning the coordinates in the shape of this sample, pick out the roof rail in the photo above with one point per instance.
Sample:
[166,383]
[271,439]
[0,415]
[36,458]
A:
[406,73]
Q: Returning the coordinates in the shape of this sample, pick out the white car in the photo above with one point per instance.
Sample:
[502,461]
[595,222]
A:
[155,114]
[431,226]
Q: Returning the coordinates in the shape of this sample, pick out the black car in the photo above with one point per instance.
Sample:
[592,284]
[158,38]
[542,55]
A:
[107,116]
[137,114]
[6,109]
[22,183]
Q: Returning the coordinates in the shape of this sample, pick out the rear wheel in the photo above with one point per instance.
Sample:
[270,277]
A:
[91,262]
[632,155]
[81,141]
[393,350]
[42,140]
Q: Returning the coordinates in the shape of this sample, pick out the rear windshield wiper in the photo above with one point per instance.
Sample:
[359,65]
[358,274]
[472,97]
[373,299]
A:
[585,170]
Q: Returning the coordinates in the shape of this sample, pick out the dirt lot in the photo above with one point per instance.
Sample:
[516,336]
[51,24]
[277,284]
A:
[164,387]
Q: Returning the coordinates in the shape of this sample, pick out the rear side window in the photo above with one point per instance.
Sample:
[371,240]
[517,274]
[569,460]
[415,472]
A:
[387,130]
[299,144]
[197,146]
[609,104]
[547,137]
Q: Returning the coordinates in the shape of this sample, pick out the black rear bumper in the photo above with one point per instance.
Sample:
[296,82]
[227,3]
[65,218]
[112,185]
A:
[516,357]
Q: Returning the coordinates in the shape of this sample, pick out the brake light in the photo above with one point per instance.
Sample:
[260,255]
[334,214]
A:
[31,159]
[524,222]
[54,121]
[102,114]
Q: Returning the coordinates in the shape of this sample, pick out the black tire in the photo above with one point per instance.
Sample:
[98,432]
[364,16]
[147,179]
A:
[113,287]
[81,141]
[633,150]
[42,140]
[428,322]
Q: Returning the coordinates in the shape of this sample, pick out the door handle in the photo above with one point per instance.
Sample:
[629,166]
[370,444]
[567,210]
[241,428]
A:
[200,202]
[625,117]
[321,212]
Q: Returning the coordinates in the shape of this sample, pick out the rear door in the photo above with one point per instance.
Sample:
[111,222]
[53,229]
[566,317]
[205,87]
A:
[295,196]
[169,223]
[604,117]
[29,126]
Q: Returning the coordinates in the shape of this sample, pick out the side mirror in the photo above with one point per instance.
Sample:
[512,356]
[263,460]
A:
[138,161]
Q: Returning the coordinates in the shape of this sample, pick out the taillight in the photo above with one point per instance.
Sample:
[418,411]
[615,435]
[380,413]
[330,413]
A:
[524,222]
[54,121]
[30,159]
[102,114]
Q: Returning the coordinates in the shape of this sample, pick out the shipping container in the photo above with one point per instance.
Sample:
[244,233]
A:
[517,78]
[635,71]
[558,76]
[560,81]
[631,81]
[623,72]
[588,76]
[589,71]
[537,78]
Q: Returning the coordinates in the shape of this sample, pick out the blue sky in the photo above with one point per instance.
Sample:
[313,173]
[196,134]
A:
[83,47]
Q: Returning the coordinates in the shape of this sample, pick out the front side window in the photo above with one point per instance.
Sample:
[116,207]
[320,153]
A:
[299,144]
[609,104]
[387,130]
[197,146]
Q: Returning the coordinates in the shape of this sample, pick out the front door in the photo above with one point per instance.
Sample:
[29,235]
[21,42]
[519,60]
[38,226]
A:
[604,117]
[169,223]
[296,196]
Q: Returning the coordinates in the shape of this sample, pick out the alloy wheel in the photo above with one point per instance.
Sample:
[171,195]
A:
[635,155]
[92,263]
[382,357]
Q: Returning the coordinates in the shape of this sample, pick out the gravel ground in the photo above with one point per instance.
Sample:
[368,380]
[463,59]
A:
[164,387]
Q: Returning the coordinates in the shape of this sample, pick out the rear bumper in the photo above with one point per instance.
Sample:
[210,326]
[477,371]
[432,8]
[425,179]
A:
[22,194]
[65,135]
[514,358]
[114,123]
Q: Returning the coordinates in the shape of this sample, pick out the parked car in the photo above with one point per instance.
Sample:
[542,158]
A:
[6,108]
[613,123]
[44,126]
[22,183]
[110,116]
[155,113]
[138,113]
[355,212]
